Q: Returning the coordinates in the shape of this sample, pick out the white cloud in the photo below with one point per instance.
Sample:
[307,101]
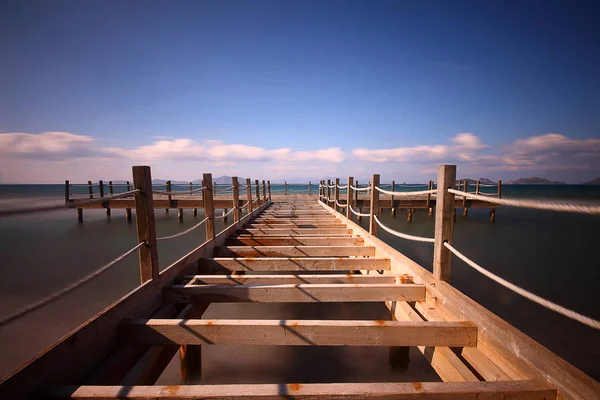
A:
[402,154]
[43,143]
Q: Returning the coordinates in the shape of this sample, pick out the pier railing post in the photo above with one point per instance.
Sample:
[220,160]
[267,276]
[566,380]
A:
[356,192]
[168,186]
[101,186]
[146,226]
[499,189]
[337,194]
[209,206]
[90,189]
[477,187]
[264,191]
[349,198]
[67,192]
[393,205]
[444,222]
[257,192]
[309,188]
[328,191]
[321,190]
[235,192]
[249,194]
[128,210]
[464,203]
[269,189]
[111,192]
[374,204]
[285,187]
[429,208]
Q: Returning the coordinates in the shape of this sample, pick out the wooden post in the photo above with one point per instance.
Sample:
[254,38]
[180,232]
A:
[191,188]
[374,204]
[393,205]
[195,210]
[477,187]
[358,217]
[328,191]
[269,189]
[128,210]
[111,192]
[235,192]
[322,190]
[285,188]
[493,210]
[257,192]
[465,189]
[101,185]
[90,189]
[225,210]
[264,192]
[80,215]
[429,187]
[337,194]
[190,356]
[249,194]
[168,186]
[146,227]
[180,214]
[309,188]
[499,189]
[209,209]
[349,198]
[67,192]
[444,222]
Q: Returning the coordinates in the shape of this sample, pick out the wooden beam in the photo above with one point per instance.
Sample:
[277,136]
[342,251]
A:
[146,226]
[291,279]
[297,332]
[249,194]
[293,241]
[514,390]
[235,192]
[294,293]
[327,225]
[295,251]
[296,231]
[294,264]
[374,206]
[444,222]
[209,209]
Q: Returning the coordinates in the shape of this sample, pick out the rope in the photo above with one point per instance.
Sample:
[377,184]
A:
[359,189]
[245,205]
[223,189]
[224,215]
[535,204]
[341,205]
[358,213]
[528,295]
[403,235]
[179,191]
[182,233]
[412,184]
[60,293]
[406,194]
[330,200]
[342,187]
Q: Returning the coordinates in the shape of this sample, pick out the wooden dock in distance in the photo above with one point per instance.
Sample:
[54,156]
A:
[121,352]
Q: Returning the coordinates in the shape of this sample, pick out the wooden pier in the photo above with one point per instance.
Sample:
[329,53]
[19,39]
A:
[295,248]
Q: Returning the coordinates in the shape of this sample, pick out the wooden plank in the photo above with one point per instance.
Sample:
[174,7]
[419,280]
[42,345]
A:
[444,223]
[291,279]
[294,293]
[483,365]
[295,251]
[296,231]
[513,390]
[507,347]
[295,264]
[294,241]
[145,224]
[325,225]
[297,332]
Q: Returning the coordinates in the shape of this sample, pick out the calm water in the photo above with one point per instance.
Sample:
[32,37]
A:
[552,254]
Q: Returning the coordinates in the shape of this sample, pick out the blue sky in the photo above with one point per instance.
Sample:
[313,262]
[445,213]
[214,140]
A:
[299,89]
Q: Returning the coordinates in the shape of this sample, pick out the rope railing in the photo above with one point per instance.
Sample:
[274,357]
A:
[226,214]
[330,200]
[359,189]
[535,204]
[245,205]
[60,293]
[406,194]
[358,214]
[167,193]
[342,187]
[337,203]
[182,233]
[525,293]
[403,235]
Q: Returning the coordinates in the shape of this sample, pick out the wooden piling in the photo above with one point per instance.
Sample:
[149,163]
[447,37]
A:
[235,193]
[358,217]
[249,194]
[374,204]
[111,192]
[190,356]
[429,208]
[477,187]
[168,186]
[337,194]
[146,226]
[128,210]
[191,188]
[264,191]
[180,214]
[409,215]
[90,189]
[349,198]
[393,205]
[257,193]
[285,188]
[209,209]
[225,210]
[67,192]
[101,186]
[269,189]
[444,222]
[499,189]
[466,190]
[309,188]
[80,215]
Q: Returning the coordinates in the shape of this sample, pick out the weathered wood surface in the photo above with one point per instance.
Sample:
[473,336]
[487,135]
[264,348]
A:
[235,279]
[295,264]
[294,251]
[513,390]
[294,241]
[297,332]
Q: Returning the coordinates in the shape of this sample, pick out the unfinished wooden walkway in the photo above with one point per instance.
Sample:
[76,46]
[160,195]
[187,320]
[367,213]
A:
[297,249]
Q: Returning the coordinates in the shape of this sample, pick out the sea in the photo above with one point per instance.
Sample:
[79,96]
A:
[552,254]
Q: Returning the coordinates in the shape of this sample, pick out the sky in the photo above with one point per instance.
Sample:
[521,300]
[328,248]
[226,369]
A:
[299,90]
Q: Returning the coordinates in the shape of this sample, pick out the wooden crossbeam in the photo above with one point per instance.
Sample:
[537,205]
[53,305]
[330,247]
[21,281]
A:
[295,279]
[294,293]
[296,231]
[295,264]
[294,251]
[514,390]
[321,225]
[294,241]
[297,332]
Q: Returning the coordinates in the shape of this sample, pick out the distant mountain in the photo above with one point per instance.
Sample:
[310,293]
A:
[593,182]
[485,181]
[534,180]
